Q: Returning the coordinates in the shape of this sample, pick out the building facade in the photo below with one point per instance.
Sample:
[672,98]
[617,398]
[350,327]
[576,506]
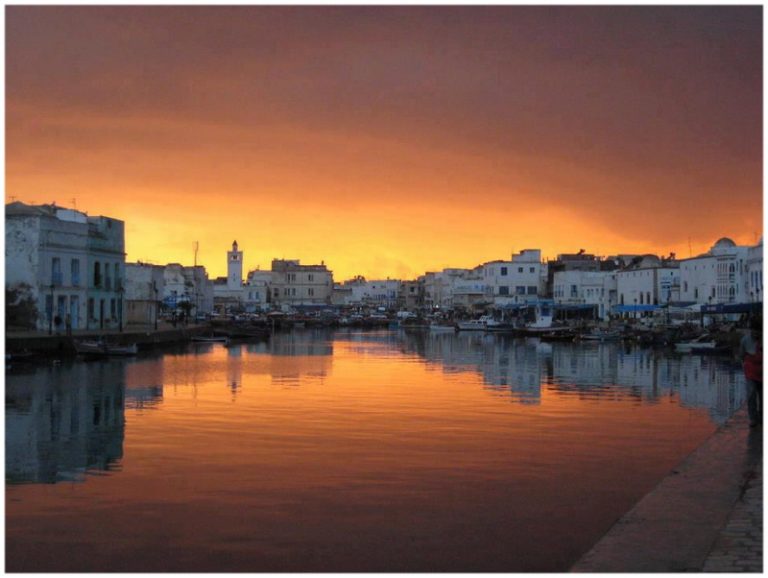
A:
[144,290]
[648,283]
[586,287]
[521,279]
[294,284]
[66,266]
[720,275]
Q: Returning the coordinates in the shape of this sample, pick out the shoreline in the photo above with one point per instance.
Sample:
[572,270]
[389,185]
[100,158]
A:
[61,345]
[676,526]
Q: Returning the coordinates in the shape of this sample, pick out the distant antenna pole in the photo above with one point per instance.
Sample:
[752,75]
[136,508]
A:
[197,246]
[13,199]
[74,202]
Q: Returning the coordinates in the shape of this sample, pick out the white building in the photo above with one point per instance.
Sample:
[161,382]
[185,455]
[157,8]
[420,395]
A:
[439,286]
[187,284]
[754,285]
[580,287]
[720,275]
[144,290]
[374,293]
[68,266]
[257,290]
[519,280]
[647,284]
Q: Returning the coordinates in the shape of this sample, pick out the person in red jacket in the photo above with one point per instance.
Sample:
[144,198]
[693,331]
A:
[751,353]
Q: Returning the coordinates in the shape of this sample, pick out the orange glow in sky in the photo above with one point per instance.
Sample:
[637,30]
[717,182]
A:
[391,141]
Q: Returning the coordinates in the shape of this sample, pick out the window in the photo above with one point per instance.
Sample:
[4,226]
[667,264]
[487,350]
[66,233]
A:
[97,274]
[90,309]
[503,290]
[112,309]
[533,269]
[503,271]
[107,277]
[309,277]
[74,268]
[641,298]
[519,269]
[117,276]
[310,291]
[520,290]
[56,271]
[532,290]
[574,290]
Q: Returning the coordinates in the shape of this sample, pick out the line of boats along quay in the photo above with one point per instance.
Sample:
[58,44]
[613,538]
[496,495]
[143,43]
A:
[709,334]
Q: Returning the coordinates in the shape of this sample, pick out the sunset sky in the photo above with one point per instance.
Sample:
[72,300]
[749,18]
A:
[387,141]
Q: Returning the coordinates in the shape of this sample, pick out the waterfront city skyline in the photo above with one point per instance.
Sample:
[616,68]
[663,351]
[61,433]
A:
[391,141]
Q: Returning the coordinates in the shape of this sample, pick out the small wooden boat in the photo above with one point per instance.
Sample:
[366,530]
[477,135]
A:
[212,339]
[700,345]
[103,348]
[601,335]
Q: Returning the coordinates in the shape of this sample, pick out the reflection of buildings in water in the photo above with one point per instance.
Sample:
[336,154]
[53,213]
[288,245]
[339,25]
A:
[300,343]
[298,356]
[700,381]
[713,384]
[63,420]
[519,369]
[234,368]
[605,370]
[287,358]
[515,370]
[143,384]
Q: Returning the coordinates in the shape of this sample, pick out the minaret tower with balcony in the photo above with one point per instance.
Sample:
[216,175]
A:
[234,268]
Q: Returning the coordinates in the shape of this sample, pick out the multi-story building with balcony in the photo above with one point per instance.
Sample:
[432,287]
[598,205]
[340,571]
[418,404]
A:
[68,267]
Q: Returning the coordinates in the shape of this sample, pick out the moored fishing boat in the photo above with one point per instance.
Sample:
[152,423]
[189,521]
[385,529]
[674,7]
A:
[211,339]
[103,348]
[442,327]
[700,345]
[601,335]
[471,325]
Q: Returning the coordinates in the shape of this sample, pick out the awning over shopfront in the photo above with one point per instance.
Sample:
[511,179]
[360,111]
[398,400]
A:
[727,308]
[634,308]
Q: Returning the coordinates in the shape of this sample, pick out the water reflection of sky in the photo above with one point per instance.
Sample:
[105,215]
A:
[63,421]
[345,451]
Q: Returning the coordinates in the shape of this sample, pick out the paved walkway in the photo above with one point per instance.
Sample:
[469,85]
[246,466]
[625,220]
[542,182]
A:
[705,515]
[739,548]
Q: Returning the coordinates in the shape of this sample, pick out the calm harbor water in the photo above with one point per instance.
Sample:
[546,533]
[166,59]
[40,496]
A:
[346,451]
